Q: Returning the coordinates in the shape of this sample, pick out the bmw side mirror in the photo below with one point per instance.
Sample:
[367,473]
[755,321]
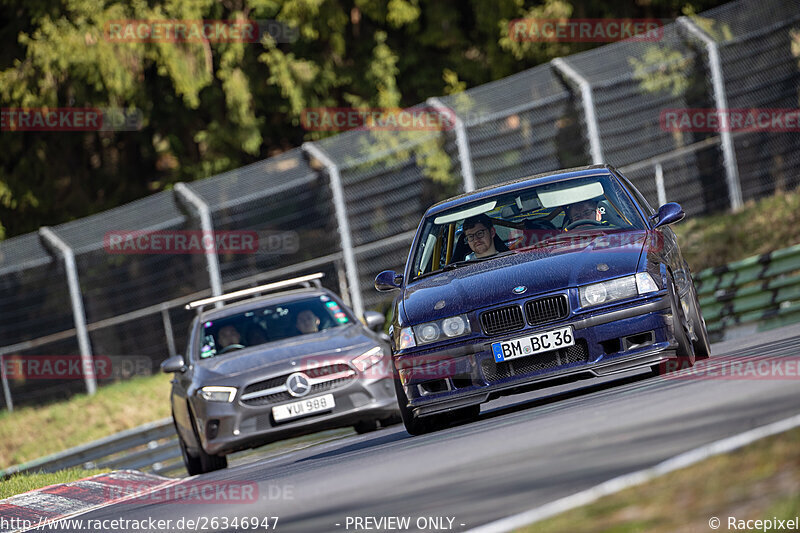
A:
[173,364]
[669,213]
[388,280]
[374,320]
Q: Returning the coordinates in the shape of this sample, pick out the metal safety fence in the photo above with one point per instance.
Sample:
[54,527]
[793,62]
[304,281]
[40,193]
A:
[349,204]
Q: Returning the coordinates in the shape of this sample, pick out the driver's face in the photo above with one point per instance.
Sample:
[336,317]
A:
[228,335]
[582,211]
[481,240]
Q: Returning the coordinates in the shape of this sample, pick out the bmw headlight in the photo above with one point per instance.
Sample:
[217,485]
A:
[217,394]
[447,328]
[428,332]
[617,289]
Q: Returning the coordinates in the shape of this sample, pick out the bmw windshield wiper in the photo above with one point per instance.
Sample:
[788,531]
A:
[463,262]
[449,266]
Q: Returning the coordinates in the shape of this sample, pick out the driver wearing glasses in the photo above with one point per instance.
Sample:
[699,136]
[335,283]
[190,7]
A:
[479,233]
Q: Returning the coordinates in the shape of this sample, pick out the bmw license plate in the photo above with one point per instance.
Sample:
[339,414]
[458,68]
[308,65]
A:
[538,343]
[303,407]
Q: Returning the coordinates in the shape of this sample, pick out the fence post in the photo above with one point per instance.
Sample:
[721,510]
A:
[661,191]
[595,147]
[341,277]
[208,229]
[168,331]
[464,155]
[78,313]
[343,223]
[721,101]
[6,389]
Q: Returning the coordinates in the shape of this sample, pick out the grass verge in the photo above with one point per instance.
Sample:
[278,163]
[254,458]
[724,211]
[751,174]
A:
[32,432]
[759,227]
[18,484]
[759,481]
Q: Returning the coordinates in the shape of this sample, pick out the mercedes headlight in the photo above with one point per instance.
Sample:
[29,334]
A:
[368,358]
[217,394]
[617,289]
[447,328]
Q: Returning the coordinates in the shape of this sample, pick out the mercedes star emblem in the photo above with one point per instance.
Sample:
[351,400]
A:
[298,384]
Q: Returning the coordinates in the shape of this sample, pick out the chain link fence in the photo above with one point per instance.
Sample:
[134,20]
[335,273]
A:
[349,205]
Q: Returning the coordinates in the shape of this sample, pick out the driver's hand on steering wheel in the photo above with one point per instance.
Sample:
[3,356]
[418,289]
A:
[231,347]
[584,222]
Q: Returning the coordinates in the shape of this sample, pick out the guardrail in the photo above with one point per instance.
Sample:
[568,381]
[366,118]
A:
[755,294]
[151,447]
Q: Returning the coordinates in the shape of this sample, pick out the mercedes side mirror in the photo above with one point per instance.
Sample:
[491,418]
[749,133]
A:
[173,364]
[374,320]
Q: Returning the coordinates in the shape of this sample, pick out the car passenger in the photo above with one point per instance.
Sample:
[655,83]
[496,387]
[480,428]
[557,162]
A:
[479,233]
[307,321]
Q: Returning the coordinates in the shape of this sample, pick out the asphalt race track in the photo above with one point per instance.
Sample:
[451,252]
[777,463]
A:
[523,452]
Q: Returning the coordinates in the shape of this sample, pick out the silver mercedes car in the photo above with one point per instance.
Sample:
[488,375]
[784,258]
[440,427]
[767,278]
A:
[277,366]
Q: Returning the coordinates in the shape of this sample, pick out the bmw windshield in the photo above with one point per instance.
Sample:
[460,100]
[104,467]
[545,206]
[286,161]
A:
[522,220]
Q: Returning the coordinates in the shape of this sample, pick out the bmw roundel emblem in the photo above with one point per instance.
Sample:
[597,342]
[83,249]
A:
[520,289]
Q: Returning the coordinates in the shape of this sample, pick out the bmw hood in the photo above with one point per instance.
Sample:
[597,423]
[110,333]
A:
[306,350]
[565,262]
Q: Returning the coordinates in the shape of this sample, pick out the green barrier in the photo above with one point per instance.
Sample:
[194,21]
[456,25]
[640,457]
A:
[762,291]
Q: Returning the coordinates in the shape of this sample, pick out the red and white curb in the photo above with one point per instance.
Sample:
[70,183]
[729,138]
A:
[56,502]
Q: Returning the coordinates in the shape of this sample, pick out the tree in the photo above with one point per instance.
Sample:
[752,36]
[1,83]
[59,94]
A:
[210,107]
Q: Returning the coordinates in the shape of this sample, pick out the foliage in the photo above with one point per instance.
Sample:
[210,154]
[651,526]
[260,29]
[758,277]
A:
[209,107]
[662,69]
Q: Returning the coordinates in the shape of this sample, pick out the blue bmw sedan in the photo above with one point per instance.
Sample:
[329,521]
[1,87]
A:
[551,278]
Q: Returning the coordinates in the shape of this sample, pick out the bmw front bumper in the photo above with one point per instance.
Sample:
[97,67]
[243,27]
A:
[620,339]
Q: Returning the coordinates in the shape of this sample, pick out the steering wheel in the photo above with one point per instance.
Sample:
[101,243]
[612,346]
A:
[231,347]
[583,222]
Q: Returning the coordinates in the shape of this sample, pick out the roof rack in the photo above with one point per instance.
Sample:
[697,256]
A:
[306,281]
